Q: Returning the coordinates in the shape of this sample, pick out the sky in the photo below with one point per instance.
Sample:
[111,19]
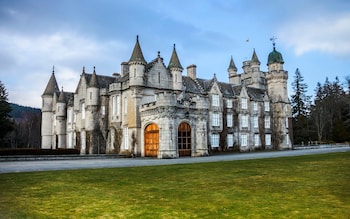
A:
[35,35]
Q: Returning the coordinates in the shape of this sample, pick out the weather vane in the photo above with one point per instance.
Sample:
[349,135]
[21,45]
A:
[273,40]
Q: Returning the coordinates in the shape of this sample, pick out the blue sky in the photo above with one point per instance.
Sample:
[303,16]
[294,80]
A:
[312,35]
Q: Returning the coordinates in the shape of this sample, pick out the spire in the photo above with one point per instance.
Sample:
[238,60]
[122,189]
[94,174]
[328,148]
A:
[93,80]
[174,60]
[255,58]
[51,86]
[61,98]
[137,55]
[232,65]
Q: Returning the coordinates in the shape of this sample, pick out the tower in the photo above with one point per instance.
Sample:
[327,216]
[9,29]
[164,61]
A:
[92,114]
[175,69]
[61,116]
[47,112]
[276,79]
[137,65]
[232,73]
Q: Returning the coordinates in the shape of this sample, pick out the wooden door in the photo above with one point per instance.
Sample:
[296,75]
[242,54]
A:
[184,139]
[151,140]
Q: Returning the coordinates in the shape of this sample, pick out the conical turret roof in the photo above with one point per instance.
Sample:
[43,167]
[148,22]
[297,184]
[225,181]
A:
[255,58]
[61,98]
[174,60]
[51,86]
[93,80]
[137,55]
[232,65]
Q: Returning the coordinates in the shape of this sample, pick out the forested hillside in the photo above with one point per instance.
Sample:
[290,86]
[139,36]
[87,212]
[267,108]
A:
[26,132]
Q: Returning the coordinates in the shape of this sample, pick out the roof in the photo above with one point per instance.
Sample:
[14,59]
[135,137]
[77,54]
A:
[174,60]
[275,57]
[255,58]
[232,65]
[94,80]
[102,80]
[51,86]
[137,55]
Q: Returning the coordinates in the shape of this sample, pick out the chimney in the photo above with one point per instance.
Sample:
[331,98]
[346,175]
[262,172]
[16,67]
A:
[124,68]
[191,71]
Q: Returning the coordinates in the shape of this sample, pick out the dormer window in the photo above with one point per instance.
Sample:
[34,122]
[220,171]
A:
[215,100]
[229,103]
[244,104]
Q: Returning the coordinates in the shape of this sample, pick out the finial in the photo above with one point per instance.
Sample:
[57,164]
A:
[53,69]
[158,54]
[137,37]
[83,70]
[174,45]
[62,88]
[94,70]
[273,40]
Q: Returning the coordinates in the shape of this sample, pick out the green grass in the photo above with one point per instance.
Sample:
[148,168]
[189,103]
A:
[315,186]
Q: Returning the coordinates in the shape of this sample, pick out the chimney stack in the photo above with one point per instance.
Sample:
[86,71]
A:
[191,71]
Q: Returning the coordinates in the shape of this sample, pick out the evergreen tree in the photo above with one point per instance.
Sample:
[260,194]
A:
[300,109]
[300,100]
[5,108]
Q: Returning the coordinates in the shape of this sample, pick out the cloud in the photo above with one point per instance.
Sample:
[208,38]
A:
[30,60]
[328,33]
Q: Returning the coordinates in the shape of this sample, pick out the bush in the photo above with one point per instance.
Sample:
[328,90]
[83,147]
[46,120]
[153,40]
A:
[34,151]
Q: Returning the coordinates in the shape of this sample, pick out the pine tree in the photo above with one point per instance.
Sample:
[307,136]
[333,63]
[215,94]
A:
[5,108]
[300,109]
[300,100]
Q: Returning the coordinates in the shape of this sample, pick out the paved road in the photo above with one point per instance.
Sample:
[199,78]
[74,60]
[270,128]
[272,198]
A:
[49,165]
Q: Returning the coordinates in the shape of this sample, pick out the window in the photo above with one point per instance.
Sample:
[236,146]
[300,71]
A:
[230,140]
[74,117]
[255,122]
[83,111]
[267,106]
[256,140]
[287,139]
[229,104]
[214,140]
[268,139]
[215,100]
[70,115]
[54,120]
[229,120]
[126,105]
[244,121]
[244,140]
[267,122]
[103,110]
[117,105]
[244,103]
[114,106]
[126,138]
[287,122]
[90,95]
[255,106]
[216,119]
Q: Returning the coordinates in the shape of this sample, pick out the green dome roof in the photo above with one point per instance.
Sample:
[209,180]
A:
[274,57]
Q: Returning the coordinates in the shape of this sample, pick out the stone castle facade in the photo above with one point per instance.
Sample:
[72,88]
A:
[151,109]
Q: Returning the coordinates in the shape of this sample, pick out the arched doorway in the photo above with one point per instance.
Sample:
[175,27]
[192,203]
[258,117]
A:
[151,138]
[184,139]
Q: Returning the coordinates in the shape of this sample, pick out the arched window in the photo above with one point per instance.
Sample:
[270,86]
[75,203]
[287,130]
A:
[184,139]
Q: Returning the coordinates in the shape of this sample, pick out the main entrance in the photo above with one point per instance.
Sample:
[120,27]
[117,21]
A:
[151,140]
[184,139]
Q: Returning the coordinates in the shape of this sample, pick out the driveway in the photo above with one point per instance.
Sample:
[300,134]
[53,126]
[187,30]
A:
[50,165]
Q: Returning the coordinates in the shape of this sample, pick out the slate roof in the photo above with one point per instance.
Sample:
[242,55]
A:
[103,81]
[137,55]
[51,86]
[174,60]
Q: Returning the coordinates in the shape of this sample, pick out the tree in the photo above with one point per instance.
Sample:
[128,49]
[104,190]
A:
[300,102]
[5,108]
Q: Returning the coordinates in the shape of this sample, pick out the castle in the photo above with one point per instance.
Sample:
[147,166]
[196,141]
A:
[154,110]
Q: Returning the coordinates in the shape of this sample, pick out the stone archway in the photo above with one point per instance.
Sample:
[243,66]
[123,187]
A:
[151,138]
[184,139]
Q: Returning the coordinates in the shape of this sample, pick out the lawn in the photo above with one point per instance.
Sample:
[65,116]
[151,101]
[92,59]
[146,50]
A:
[316,186]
